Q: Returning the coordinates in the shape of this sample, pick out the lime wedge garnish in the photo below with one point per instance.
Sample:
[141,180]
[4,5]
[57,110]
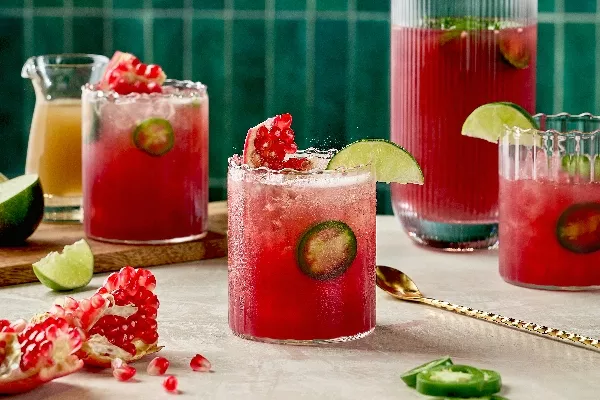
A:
[71,269]
[391,162]
[21,208]
[489,122]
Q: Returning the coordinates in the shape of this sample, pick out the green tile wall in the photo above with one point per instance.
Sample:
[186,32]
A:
[325,61]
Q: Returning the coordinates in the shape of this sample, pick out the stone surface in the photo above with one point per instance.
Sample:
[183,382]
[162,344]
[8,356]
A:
[193,319]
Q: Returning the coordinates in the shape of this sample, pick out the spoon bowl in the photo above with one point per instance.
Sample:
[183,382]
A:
[397,283]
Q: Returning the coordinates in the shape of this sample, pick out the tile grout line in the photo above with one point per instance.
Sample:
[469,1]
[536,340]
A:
[228,67]
[310,64]
[559,59]
[269,56]
[148,31]
[68,26]
[27,14]
[107,43]
[188,59]
[596,111]
[350,70]
[214,14]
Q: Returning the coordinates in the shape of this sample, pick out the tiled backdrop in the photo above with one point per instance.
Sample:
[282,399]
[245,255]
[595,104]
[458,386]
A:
[325,61]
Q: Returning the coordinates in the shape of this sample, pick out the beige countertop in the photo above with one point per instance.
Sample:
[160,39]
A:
[193,319]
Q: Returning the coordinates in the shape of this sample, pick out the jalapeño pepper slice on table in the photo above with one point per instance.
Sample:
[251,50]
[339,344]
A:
[451,380]
[410,376]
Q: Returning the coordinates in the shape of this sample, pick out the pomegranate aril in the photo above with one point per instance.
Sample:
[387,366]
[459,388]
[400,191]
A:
[124,373]
[200,363]
[170,384]
[158,366]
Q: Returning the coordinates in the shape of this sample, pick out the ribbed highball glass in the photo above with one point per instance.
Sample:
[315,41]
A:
[447,59]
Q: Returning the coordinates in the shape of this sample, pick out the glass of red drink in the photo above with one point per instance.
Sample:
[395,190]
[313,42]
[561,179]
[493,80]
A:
[550,203]
[447,59]
[301,252]
[145,164]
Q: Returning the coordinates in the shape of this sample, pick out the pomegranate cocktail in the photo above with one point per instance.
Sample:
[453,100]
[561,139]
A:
[145,156]
[302,237]
[550,204]
[441,70]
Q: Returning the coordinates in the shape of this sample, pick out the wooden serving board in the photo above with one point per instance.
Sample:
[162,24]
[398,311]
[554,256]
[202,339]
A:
[15,262]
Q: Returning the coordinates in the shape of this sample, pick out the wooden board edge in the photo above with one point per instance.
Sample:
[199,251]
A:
[157,255]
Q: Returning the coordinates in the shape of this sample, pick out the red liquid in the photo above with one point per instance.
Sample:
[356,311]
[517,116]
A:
[130,195]
[530,252]
[436,84]
[269,296]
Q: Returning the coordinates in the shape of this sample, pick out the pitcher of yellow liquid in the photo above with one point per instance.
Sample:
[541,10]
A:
[54,150]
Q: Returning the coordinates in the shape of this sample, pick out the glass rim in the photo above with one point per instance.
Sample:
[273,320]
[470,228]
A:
[562,116]
[183,89]
[235,162]
[94,58]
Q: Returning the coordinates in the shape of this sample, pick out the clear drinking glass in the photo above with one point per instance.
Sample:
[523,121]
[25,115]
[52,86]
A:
[550,203]
[448,58]
[301,253]
[145,164]
[54,150]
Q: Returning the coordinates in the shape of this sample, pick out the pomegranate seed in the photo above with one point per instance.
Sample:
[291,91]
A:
[158,366]
[200,363]
[170,384]
[121,370]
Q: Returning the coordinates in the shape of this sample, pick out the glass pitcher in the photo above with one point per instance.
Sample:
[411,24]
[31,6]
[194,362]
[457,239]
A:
[447,59]
[54,149]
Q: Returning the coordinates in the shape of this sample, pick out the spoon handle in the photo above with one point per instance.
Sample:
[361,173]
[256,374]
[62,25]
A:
[529,327]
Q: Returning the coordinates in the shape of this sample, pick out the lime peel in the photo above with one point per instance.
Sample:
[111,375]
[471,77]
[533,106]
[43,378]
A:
[390,162]
[71,269]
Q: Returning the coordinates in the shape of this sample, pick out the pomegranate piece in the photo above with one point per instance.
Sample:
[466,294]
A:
[268,143]
[121,371]
[158,366]
[126,74]
[36,353]
[170,384]
[200,363]
[119,320]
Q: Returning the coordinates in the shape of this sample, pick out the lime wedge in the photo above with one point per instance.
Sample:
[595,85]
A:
[21,208]
[489,121]
[391,162]
[71,269]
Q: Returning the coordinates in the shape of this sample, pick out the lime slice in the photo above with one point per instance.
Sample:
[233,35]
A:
[489,121]
[71,269]
[3,178]
[21,208]
[391,162]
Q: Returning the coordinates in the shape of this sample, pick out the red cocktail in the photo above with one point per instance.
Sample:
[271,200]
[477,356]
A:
[442,70]
[550,207]
[145,164]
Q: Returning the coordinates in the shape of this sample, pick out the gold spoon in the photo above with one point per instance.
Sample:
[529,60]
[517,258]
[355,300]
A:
[399,285]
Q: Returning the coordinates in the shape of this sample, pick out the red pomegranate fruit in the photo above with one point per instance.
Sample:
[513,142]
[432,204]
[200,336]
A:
[126,74]
[268,143]
[36,353]
[119,320]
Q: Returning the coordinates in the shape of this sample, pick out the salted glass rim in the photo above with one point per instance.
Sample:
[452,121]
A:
[562,116]
[183,89]
[235,162]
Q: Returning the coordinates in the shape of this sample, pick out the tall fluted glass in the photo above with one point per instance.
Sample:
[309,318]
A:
[448,58]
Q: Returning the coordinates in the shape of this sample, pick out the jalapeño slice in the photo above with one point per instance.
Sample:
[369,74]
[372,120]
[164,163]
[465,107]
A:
[492,382]
[513,48]
[578,228]
[155,136]
[326,250]
[451,380]
[410,376]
